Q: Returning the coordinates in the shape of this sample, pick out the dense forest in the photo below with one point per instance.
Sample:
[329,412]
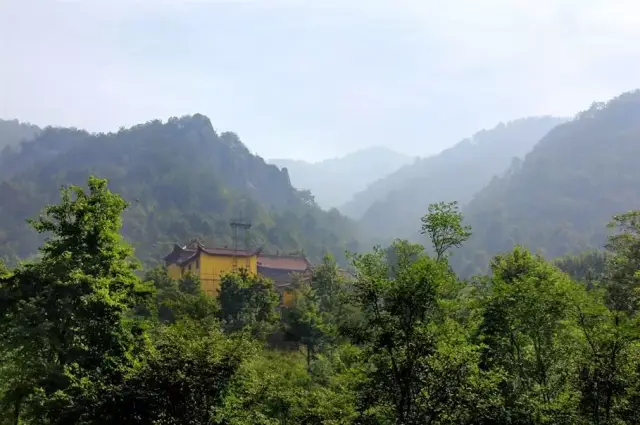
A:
[407,192]
[520,306]
[182,179]
[14,132]
[388,207]
[87,341]
[335,181]
[559,198]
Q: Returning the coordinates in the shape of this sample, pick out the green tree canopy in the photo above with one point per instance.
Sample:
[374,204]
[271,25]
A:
[248,302]
[63,317]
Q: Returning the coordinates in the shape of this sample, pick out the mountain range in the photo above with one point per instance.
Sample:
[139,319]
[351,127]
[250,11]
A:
[392,206]
[549,183]
[560,197]
[182,178]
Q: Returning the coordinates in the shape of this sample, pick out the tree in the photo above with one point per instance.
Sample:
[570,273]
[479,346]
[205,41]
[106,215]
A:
[303,322]
[529,328]
[179,300]
[190,284]
[422,368]
[328,284]
[587,267]
[321,309]
[276,388]
[443,224]
[610,373]
[608,367]
[4,271]
[248,302]
[183,379]
[66,313]
[623,267]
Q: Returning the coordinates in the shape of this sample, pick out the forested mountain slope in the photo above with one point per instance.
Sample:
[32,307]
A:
[334,181]
[12,132]
[397,202]
[559,199]
[22,156]
[182,179]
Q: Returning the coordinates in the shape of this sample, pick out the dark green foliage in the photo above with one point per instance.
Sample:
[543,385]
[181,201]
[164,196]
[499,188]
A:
[443,224]
[587,267]
[4,271]
[174,301]
[182,179]
[85,341]
[609,365]
[304,322]
[390,207]
[406,342]
[559,199]
[321,309]
[248,302]
[183,379]
[36,150]
[276,388]
[190,284]
[422,367]
[610,374]
[624,263]
[529,337]
[63,317]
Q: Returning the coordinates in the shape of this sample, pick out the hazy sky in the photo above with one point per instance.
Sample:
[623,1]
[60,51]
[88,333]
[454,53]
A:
[304,81]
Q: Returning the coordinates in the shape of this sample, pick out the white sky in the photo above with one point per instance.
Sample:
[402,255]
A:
[311,80]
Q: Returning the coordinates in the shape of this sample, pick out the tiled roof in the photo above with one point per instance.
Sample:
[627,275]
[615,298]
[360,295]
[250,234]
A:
[184,254]
[179,254]
[229,252]
[284,262]
[280,277]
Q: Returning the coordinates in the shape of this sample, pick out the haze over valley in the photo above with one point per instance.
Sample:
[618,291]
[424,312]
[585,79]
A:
[333,182]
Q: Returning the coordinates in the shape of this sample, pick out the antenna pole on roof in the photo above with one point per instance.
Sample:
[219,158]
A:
[238,225]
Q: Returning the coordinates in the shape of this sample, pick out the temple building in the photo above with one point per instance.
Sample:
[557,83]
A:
[210,264]
[281,269]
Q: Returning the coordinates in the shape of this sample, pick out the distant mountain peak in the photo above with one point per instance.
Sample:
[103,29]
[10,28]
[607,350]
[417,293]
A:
[378,150]
[392,205]
[334,180]
[184,180]
[559,198]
